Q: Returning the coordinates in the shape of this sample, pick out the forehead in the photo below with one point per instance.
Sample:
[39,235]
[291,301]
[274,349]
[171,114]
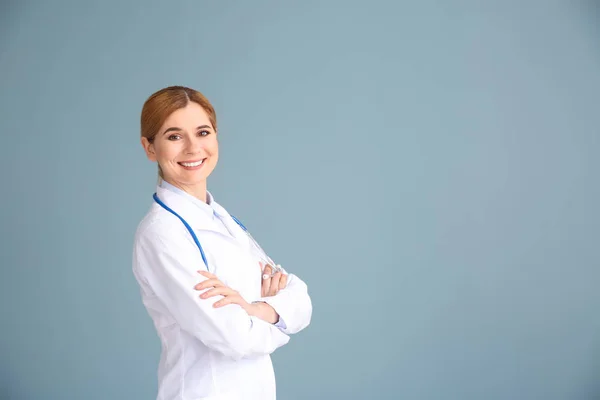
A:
[191,116]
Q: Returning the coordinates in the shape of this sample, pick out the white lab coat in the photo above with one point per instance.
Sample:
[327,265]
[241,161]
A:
[210,353]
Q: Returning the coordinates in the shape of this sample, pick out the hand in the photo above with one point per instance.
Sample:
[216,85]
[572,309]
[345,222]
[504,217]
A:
[272,285]
[218,288]
[264,311]
[260,310]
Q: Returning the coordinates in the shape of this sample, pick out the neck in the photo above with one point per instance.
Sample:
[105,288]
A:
[198,190]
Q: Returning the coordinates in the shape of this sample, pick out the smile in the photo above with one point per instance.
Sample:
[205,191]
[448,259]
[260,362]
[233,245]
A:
[191,164]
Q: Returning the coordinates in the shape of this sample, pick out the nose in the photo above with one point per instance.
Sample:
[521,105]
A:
[193,146]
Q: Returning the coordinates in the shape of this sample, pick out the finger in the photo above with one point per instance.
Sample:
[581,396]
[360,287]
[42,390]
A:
[274,288]
[266,286]
[283,282]
[267,272]
[207,274]
[266,283]
[235,299]
[223,291]
[209,283]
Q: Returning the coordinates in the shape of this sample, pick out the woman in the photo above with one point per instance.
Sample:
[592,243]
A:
[218,310]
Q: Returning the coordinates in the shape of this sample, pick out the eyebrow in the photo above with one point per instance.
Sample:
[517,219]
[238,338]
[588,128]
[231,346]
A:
[176,129]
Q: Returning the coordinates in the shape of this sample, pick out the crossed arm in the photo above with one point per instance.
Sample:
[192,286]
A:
[285,300]
[222,320]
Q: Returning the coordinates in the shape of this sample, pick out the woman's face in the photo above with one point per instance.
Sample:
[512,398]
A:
[185,147]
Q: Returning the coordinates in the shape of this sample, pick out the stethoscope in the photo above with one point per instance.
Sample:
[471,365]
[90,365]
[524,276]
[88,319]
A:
[275,267]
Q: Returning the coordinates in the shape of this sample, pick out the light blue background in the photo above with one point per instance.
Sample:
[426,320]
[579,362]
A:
[428,168]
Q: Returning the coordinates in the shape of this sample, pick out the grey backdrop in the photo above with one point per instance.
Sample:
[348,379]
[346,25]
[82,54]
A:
[428,168]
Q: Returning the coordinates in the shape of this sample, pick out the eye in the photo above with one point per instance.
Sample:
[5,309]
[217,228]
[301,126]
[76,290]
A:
[204,133]
[173,137]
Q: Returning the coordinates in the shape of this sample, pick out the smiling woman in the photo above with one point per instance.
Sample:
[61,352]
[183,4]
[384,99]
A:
[179,133]
[219,310]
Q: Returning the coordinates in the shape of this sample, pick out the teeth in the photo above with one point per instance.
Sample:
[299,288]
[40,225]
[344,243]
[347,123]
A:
[194,164]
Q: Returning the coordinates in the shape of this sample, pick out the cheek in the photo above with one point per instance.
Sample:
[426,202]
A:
[167,151]
[213,148]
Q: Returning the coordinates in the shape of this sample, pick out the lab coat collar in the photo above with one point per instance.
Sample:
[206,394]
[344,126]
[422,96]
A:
[200,215]
[198,218]
[240,235]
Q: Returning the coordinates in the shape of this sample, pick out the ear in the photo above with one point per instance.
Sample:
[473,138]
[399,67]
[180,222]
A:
[149,149]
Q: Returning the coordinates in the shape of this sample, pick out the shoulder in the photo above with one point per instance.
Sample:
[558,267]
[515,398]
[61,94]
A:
[159,226]
[161,241]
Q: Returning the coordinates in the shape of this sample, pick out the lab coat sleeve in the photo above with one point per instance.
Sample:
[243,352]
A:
[169,262]
[293,304]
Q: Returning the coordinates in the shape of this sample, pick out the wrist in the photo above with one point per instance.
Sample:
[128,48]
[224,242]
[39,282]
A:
[264,311]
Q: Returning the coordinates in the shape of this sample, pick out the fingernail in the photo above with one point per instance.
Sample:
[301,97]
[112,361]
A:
[266,276]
